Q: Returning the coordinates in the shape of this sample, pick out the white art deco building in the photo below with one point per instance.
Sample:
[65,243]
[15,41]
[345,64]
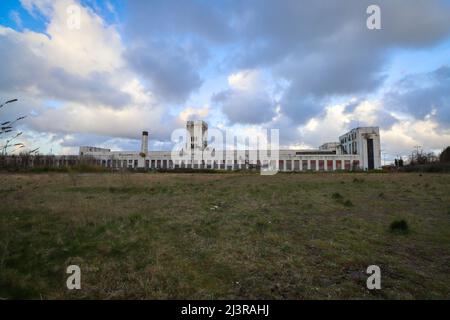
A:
[358,149]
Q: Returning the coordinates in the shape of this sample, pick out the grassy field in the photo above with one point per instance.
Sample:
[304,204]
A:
[217,236]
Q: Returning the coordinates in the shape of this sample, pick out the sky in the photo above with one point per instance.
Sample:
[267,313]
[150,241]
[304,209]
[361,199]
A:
[311,69]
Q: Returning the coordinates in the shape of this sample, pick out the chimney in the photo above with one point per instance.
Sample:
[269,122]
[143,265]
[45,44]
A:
[144,142]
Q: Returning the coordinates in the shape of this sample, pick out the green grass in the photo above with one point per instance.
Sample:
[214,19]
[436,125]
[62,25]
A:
[209,236]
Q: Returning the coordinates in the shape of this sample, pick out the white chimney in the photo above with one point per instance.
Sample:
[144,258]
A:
[144,142]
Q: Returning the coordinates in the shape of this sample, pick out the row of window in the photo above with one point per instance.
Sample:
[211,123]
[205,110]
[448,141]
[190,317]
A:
[350,137]
[320,165]
[287,165]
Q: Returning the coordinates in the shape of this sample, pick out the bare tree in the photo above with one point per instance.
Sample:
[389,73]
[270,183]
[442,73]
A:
[444,157]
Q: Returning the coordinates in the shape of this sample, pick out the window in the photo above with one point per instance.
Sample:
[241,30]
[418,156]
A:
[304,165]
[347,164]
[321,165]
[329,164]
[289,165]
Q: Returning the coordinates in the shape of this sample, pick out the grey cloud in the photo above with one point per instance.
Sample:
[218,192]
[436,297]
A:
[386,120]
[93,88]
[422,94]
[205,19]
[24,70]
[83,139]
[351,106]
[245,107]
[170,70]
[301,108]
[80,139]
[104,122]
[171,40]
[289,27]
[323,48]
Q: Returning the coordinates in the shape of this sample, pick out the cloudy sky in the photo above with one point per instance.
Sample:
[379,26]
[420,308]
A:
[309,68]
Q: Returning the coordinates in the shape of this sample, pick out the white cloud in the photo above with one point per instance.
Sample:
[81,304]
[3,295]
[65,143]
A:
[247,80]
[190,113]
[109,87]
[95,47]
[85,71]
[248,99]
[404,136]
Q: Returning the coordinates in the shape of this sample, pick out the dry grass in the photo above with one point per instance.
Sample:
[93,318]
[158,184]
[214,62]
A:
[212,236]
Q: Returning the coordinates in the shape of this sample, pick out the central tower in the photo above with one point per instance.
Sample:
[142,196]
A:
[197,139]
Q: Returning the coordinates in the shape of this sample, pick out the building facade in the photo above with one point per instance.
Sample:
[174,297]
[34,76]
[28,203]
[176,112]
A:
[358,149]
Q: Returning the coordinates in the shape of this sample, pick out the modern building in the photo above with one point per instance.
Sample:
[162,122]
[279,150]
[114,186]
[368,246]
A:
[358,149]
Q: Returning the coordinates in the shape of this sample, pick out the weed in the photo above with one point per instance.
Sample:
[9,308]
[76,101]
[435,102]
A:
[221,236]
[336,196]
[348,203]
[399,226]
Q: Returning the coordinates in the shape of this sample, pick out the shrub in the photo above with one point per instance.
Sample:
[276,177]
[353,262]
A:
[336,195]
[445,156]
[399,226]
[348,203]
